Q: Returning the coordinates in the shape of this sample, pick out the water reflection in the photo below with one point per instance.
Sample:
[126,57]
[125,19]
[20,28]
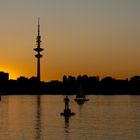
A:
[66,122]
[38,119]
[66,127]
[80,108]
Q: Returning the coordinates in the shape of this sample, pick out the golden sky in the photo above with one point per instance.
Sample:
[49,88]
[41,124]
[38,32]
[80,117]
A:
[93,37]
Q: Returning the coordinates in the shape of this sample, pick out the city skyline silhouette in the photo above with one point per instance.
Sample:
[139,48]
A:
[98,38]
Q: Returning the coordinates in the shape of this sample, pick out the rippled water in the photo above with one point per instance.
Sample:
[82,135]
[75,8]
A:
[38,118]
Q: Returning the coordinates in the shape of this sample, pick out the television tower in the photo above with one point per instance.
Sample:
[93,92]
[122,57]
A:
[38,49]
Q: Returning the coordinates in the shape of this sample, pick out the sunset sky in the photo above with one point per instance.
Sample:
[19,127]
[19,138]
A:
[93,37]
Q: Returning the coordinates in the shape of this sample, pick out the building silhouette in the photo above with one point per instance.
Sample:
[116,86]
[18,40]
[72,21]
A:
[4,76]
[38,49]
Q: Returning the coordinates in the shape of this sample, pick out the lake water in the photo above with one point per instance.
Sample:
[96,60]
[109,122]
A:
[38,118]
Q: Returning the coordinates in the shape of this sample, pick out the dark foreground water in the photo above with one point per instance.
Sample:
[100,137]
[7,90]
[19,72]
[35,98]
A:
[38,118]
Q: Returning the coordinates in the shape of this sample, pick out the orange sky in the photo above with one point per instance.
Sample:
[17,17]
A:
[93,37]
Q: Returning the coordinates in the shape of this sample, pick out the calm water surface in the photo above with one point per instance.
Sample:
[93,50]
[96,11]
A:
[38,118]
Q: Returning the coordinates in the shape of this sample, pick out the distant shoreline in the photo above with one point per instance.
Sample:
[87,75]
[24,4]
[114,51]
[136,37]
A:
[96,94]
[70,86]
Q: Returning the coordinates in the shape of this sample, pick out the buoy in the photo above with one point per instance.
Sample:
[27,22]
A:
[67,113]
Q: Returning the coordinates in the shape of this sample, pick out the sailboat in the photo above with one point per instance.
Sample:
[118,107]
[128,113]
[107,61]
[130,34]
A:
[80,97]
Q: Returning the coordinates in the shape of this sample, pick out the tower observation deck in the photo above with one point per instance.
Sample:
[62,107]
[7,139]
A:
[38,49]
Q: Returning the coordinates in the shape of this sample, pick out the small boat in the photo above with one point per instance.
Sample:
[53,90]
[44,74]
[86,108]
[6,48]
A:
[80,97]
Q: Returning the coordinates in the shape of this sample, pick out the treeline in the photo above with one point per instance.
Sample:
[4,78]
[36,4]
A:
[70,86]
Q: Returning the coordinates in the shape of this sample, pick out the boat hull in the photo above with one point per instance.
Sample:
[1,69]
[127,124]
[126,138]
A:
[81,100]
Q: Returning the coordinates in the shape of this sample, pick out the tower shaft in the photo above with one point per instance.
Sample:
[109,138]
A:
[38,69]
[38,49]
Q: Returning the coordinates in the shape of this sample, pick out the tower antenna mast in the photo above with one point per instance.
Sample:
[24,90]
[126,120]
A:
[38,49]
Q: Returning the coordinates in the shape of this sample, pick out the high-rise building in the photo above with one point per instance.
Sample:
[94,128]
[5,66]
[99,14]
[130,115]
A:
[4,76]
